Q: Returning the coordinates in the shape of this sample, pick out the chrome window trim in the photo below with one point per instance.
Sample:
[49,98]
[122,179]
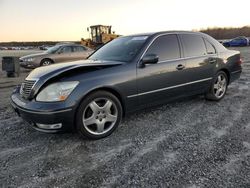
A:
[164,34]
[185,58]
[180,44]
[171,87]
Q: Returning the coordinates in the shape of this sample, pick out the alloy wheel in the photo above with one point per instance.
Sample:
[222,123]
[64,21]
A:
[46,62]
[100,116]
[220,86]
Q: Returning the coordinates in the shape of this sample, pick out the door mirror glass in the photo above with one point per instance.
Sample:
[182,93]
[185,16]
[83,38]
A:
[150,59]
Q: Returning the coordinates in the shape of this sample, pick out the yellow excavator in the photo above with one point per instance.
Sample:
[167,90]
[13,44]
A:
[100,34]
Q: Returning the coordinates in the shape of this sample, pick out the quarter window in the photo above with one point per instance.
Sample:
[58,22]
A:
[193,45]
[210,47]
[166,47]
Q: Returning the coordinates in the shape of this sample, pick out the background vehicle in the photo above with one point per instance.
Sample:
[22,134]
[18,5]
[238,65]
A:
[57,54]
[127,74]
[44,47]
[239,41]
[100,34]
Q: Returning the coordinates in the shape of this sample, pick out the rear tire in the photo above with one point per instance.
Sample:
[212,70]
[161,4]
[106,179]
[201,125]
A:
[218,87]
[98,115]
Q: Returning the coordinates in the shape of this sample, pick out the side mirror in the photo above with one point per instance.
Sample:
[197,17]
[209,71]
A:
[149,59]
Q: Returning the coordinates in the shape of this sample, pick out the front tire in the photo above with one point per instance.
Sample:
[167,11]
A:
[46,62]
[218,87]
[99,115]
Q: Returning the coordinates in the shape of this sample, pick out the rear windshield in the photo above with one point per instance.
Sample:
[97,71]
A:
[121,49]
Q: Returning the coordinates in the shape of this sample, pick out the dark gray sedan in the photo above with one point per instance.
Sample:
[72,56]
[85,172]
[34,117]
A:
[127,74]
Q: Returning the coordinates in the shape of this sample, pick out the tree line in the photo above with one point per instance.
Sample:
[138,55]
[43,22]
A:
[226,32]
[216,32]
[35,44]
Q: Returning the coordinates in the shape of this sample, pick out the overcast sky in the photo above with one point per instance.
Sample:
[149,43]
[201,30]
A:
[41,20]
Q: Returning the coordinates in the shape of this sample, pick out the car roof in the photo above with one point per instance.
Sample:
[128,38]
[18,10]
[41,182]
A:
[70,45]
[218,46]
[165,32]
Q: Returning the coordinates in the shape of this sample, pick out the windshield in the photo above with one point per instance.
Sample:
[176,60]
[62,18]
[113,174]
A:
[53,49]
[120,49]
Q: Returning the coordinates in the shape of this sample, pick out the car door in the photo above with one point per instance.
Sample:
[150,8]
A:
[201,58]
[162,81]
[64,54]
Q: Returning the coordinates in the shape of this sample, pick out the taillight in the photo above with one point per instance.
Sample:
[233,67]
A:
[240,61]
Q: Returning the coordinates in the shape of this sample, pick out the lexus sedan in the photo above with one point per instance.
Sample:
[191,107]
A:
[57,54]
[127,74]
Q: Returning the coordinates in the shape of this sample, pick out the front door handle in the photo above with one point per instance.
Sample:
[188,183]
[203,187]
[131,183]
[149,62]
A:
[180,67]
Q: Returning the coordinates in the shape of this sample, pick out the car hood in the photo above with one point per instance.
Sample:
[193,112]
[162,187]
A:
[50,71]
[33,55]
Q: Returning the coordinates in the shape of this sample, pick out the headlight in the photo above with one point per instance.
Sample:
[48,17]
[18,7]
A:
[29,59]
[57,91]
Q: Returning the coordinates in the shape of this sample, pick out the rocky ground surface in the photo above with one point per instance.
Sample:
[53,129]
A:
[189,143]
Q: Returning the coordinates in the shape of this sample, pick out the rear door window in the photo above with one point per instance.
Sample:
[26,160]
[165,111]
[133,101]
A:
[66,49]
[78,49]
[193,45]
[166,47]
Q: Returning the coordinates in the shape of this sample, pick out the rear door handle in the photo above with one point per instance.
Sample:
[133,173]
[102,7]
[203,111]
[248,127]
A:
[180,67]
[212,61]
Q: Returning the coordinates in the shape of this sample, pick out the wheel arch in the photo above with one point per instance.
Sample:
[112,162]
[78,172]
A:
[115,93]
[227,73]
[107,89]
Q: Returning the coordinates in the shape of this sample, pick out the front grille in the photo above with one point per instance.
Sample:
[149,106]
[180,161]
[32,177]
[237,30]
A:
[26,88]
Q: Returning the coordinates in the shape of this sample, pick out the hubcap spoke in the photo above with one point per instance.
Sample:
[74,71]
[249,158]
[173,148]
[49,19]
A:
[91,120]
[216,86]
[223,82]
[219,79]
[107,106]
[94,107]
[217,93]
[111,118]
[100,126]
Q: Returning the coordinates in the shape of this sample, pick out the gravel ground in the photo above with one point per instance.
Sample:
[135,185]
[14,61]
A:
[189,143]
